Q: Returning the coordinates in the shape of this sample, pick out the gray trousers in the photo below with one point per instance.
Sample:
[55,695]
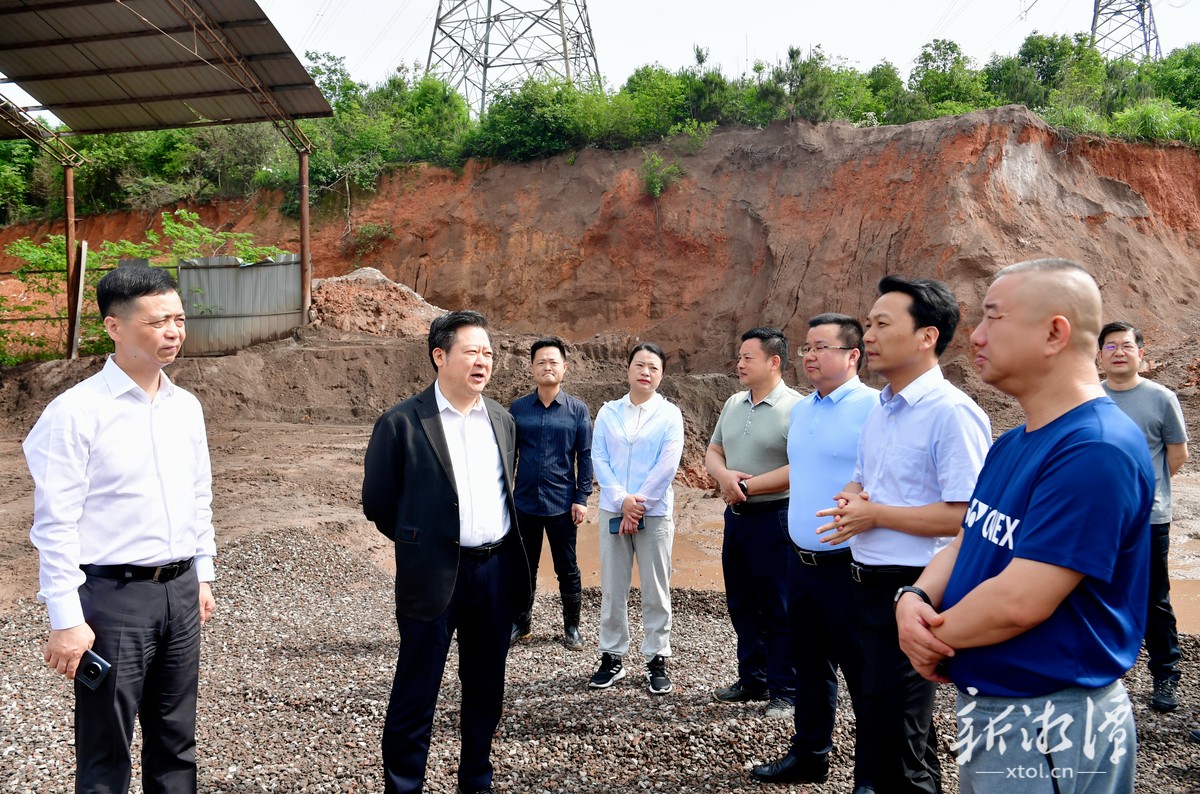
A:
[150,633]
[652,549]
[1076,741]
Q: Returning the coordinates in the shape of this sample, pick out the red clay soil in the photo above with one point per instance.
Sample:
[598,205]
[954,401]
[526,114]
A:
[768,227]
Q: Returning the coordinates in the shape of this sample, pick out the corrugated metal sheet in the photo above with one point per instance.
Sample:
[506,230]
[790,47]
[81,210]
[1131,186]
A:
[231,306]
[107,66]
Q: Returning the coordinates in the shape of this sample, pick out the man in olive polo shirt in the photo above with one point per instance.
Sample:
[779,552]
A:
[750,439]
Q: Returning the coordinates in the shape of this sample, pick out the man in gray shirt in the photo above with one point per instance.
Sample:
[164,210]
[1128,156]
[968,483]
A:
[750,439]
[1155,409]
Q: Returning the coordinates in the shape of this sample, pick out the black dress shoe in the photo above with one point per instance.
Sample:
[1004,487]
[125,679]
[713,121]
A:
[792,769]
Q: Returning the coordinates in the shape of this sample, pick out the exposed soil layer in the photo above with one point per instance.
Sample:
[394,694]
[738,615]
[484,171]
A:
[769,227]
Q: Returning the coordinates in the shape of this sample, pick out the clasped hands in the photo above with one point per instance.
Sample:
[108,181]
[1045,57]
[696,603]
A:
[633,510]
[727,484]
[853,513]
[915,621]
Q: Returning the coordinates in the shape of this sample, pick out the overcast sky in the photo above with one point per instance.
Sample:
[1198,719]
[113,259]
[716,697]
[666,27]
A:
[374,36]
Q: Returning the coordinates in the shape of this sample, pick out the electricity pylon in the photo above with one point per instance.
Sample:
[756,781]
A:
[1125,28]
[482,47]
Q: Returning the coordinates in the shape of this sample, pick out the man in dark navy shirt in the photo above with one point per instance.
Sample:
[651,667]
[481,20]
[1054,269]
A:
[554,480]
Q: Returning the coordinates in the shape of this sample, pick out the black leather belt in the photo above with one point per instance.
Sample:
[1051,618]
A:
[884,573]
[758,508]
[484,552]
[162,573]
[841,556]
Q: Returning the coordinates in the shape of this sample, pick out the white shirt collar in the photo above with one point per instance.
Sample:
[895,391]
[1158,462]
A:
[443,404]
[118,381]
[650,406]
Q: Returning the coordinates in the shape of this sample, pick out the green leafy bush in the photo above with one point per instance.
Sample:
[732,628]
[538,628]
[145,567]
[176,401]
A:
[658,175]
[689,136]
[539,119]
[1076,118]
[367,238]
[1157,120]
[43,272]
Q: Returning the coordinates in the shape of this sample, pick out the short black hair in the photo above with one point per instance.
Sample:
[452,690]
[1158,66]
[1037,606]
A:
[850,332]
[1119,326]
[119,288]
[933,304]
[649,347]
[444,330]
[773,342]
[547,341]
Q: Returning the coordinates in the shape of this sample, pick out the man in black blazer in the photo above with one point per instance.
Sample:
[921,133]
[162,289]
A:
[438,481]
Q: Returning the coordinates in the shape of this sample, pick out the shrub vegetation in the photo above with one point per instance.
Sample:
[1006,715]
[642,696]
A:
[416,118]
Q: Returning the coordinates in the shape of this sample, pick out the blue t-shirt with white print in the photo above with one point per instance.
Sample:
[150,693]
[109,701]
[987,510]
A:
[1075,494]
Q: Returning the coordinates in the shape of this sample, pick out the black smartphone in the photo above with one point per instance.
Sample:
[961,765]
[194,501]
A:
[92,669]
[614,525]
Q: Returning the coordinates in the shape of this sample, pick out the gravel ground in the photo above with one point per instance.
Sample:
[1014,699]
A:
[298,662]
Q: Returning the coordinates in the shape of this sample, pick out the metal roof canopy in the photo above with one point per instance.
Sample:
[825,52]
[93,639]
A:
[106,66]
[121,65]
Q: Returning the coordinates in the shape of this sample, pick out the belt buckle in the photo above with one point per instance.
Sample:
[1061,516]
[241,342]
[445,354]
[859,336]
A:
[734,509]
[856,572]
[158,572]
[808,557]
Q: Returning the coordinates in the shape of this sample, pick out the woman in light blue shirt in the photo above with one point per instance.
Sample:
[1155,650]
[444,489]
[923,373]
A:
[636,448]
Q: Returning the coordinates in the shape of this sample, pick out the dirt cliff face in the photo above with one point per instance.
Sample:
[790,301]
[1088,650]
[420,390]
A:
[773,226]
[768,227]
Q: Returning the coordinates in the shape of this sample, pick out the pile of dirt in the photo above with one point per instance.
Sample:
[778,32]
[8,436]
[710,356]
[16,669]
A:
[367,301]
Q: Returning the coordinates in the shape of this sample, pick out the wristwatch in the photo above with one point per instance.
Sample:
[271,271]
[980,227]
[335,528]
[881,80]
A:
[911,589]
[742,487]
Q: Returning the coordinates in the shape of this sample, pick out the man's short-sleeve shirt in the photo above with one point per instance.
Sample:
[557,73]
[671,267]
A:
[1074,494]
[923,445]
[754,437]
[822,445]
[1155,410]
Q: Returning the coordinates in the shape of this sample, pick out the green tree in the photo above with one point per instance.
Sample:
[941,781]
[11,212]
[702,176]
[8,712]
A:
[16,168]
[1013,82]
[539,119]
[851,96]
[659,101]
[1177,77]
[1047,56]
[807,85]
[900,105]
[435,120]
[944,74]
[330,74]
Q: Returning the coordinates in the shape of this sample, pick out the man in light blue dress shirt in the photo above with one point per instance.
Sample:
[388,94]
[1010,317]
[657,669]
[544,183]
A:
[918,458]
[822,447]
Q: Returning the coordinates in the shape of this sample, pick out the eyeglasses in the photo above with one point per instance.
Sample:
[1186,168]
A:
[804,351]
[1124,347]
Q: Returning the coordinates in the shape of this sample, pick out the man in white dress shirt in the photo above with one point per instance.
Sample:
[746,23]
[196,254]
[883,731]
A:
[123,526]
